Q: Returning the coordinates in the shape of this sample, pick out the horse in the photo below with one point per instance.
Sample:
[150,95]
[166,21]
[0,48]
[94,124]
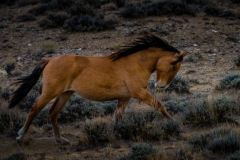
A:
[120,76]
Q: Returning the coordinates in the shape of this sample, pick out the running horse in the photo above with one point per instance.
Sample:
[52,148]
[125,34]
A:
[120,76]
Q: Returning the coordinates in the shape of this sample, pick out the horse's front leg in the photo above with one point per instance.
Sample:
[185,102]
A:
[122,103]
[147,98]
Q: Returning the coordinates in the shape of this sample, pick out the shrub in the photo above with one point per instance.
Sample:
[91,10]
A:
[9,68]
[235,1]
[130,11]
[174,107]
[143,151]
[179,85]
[16,156]
[27,2]
[237,61]
[199,115]
[234,156]
[223,108]
[139,124]
[171,129]
[54,20]
[42,118]
[79,8]
[49,46]
[28,101]
[119,3]
[203,139]
[233,38]
[193,57]
[78,108]
[109,7]
[87,23]
[26,17]
[99,130]
[168,7]
[6,93]
[10,122]
[228,144]
[218,12]
[198,2]
[230,81]
[39,10]
[7,2]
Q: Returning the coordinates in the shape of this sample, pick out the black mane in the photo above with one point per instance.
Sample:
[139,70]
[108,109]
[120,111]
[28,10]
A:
[142,44]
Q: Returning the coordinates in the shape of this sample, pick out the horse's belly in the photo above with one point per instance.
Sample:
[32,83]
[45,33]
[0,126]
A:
[101,90]
[102,94]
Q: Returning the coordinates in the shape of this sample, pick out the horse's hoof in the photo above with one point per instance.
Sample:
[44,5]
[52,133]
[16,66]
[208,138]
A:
[62,141]
[19,138]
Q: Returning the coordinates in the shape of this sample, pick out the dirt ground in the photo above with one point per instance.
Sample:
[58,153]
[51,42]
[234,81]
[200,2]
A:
[202,35]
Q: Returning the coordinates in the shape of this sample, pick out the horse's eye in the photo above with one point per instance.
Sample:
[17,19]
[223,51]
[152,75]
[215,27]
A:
[174,67]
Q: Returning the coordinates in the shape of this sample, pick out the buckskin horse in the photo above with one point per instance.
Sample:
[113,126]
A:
[120,76]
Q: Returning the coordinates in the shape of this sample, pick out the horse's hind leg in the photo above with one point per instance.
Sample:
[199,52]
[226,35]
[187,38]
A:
[54,112]
[122,103]
[36,108]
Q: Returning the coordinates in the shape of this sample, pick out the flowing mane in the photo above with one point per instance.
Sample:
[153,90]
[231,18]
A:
[140,44]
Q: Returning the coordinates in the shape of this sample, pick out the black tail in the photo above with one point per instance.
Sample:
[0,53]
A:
[27,83]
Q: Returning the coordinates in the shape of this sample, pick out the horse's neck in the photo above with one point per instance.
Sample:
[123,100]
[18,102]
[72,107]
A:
[149,60]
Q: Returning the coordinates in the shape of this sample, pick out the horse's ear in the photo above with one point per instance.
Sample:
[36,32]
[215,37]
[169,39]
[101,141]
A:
[183,53]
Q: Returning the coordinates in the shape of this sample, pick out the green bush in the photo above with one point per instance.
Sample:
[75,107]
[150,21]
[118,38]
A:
[206,113]
[10,122]
[231,81]
[42,118]
[131,11]
[139,124]
[168,8]
[119,3]
[214,10]
[171,129]
[237,61]
[99,130]
[179,85]
[235,1]
[7,2]
[204,139]
[39,10]
[223,108]
[225,145]
[199,114]
[49,46]
[234,156]
[143,151]
[198,2]
[78,108]
[6,93]
[54,20]
[27,2]
[86,23]
[16,156]
[9,68]
[26,17]
[193,57]
[174,107]
[79,8]
[28,101]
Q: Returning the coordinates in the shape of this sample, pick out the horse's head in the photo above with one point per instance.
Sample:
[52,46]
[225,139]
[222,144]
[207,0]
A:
[167,67]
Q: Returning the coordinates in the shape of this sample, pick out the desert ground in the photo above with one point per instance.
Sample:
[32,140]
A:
[213,44]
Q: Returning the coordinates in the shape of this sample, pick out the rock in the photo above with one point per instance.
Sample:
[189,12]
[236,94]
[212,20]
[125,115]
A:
[164,32]
[20,25]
